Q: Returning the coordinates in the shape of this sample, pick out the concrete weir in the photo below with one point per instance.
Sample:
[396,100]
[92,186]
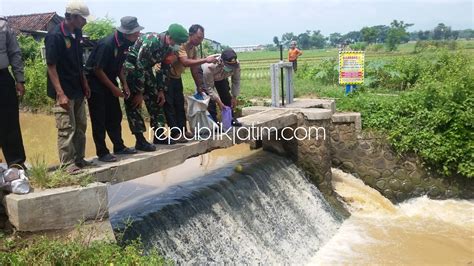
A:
[65,207]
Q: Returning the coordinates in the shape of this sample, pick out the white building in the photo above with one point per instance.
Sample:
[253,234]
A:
[248,48]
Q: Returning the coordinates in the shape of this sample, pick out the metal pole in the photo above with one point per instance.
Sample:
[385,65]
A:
[200,48]
[281,77]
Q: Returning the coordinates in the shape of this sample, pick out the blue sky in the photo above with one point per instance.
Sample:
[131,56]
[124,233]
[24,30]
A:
[242,22]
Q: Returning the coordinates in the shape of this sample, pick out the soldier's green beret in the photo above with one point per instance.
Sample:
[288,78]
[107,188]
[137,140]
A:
[178,33]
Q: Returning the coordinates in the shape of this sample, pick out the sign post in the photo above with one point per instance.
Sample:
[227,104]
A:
[351,69]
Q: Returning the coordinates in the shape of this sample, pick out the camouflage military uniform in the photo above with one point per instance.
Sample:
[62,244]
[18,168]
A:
[150,49]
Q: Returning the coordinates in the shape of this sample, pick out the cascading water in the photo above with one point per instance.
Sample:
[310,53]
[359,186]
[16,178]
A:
[205,212]
[420,231]
[266,213]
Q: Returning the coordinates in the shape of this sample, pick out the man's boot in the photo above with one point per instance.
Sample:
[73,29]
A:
[142,144]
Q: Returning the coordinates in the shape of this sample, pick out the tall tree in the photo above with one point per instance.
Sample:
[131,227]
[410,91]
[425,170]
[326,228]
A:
[304,40]
[397,34]
[287,38]
[455,34]
[423,35]
[441,32]
[382,32]
[276,41]
[352,37]
[369,34]
[335,39]
[317,40]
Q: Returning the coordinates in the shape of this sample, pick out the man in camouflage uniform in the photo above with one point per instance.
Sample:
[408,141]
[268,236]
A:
[145,85]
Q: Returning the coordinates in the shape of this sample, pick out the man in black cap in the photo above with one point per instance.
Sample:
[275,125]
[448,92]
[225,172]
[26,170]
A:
[215,82]
[103,67]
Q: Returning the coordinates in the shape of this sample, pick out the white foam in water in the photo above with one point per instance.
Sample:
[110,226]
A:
[458,212]
[270,214]
[418,231]
[274,216]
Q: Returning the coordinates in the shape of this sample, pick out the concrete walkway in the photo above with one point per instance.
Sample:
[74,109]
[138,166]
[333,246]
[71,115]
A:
[144,163]
[64,207]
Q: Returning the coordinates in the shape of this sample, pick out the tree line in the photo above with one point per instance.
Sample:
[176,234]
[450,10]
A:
[392,35]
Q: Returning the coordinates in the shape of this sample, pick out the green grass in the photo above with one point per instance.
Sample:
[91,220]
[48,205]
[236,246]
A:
[42,177]
[47,251]
[266,55]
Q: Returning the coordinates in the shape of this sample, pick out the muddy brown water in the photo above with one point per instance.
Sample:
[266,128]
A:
[40,138]
[417,232]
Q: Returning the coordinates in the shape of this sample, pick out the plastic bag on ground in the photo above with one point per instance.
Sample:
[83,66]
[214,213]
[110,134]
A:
[14,180]
[11,174]
[21,185]
[200,121]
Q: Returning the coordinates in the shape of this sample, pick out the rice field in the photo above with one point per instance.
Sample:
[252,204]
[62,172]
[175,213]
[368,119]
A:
[255,68]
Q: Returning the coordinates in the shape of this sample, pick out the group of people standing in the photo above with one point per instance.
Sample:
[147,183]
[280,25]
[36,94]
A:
[140,68]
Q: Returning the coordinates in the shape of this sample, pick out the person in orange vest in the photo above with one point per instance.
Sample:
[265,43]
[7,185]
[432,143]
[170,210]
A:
[293,55]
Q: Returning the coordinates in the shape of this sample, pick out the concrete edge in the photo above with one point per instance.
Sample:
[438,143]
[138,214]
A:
[316,114]
[57,208]
[348,117]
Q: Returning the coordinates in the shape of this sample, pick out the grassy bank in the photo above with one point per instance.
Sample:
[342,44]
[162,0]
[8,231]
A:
[43,250]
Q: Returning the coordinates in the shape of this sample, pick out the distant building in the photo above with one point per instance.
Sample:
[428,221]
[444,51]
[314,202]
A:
[248,48]
[35,25]
[38,25]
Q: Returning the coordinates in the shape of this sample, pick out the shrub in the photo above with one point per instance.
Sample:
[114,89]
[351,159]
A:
[327,71]
[99,28]
[358,46]
[35,82]
[434,119]
[30,48]
[396,74]
[375,47]
[423,46]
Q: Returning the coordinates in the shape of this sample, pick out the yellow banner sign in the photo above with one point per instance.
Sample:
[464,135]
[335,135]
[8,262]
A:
[351,67]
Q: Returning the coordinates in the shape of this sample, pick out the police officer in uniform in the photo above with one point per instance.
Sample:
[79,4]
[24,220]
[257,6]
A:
[215,82]
[11,88]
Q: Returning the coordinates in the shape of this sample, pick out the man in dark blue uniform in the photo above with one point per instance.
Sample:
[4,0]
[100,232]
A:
[104,66]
